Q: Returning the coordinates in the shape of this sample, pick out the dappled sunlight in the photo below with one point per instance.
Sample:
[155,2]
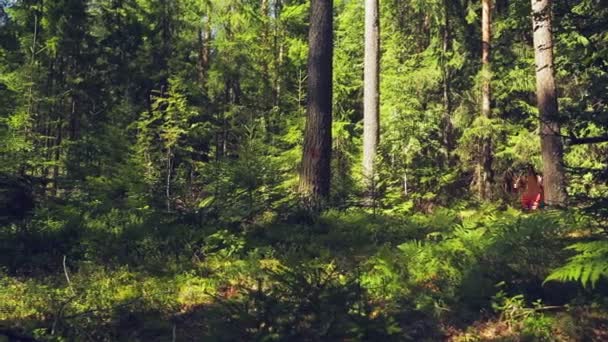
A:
[303,170]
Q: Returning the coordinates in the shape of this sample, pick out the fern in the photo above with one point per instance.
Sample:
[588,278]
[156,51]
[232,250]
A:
[587,267]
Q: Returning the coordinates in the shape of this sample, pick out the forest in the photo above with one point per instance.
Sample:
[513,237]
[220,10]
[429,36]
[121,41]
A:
[303,170]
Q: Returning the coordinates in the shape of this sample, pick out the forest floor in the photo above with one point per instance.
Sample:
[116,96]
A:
[458,274]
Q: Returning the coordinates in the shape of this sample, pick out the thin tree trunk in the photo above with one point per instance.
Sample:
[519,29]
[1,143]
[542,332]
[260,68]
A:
[30,131]
[204,45]
[74,120]
[266,86]
[278,48]
[315,171]
[484,169]
[371,119]
[551,144]
[485,58]
[168,179]
[30,101]
[277,87]
[58,141]
[48,120]
[200,65]
[57,155]
[447,128]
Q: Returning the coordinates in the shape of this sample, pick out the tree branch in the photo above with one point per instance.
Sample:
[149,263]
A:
[588,140]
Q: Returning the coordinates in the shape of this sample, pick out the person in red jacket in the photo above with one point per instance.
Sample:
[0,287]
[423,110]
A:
[532,196]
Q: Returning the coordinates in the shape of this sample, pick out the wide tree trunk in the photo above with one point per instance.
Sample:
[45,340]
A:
[371,126]
[550,141]
[315,171]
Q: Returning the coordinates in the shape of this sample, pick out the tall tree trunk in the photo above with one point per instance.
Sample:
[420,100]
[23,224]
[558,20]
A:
[484,168]
[168,179]
[371,119]
[315,171]
[486,28]
[266,87]
[447,127]
[204,37]
[204,49]
[551,144]
[278,49]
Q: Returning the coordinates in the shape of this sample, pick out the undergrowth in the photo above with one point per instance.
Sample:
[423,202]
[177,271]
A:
[349,275]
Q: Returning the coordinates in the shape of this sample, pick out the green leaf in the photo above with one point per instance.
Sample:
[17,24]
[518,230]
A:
[207,202]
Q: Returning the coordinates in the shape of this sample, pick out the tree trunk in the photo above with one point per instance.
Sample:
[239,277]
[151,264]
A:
[447,127]
[278,49]
[315,170]
[486,23]
[57,155]
[484,168]
[203,55]
[168,179]
[551,144]
[204,49]
[371,126]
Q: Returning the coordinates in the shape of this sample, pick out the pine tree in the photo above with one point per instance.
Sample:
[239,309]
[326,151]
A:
[315,171]
[546,95]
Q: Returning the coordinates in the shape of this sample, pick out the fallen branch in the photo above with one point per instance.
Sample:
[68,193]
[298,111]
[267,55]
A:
[67,276]
[60,313]
[529,311]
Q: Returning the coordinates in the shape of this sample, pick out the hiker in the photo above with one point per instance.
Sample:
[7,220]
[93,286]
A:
[531,183]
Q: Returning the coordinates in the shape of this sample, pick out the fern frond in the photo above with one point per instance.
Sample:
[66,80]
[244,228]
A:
[587,267]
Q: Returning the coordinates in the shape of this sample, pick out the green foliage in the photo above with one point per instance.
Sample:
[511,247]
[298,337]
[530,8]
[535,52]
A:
[529,322]
[588,266]
[458,262]
[149,155]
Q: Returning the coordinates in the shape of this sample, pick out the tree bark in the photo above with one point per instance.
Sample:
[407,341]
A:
[484,168]
[315,170]
[546,96]
[371,118]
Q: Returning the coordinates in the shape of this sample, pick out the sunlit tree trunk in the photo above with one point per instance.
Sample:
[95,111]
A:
[371,120]
[315,170]
[551,144]
[484,168]
[486,27]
